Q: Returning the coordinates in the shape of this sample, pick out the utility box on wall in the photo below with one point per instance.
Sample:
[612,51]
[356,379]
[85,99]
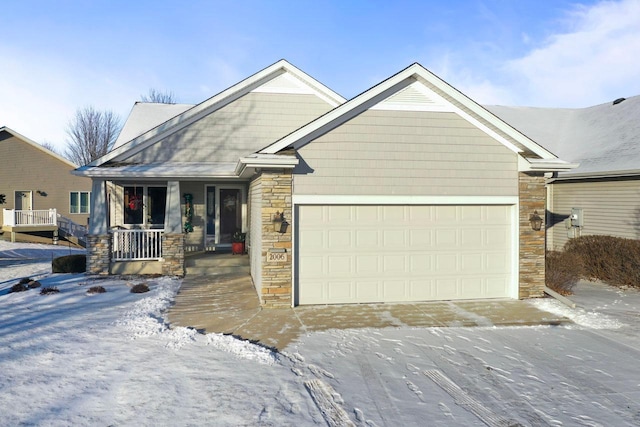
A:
[577,217]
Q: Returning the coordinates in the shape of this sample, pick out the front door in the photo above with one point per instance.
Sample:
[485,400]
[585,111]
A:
[224,214]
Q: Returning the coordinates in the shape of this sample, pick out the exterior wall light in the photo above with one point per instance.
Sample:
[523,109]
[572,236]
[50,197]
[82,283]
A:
[536,221]
[280,223]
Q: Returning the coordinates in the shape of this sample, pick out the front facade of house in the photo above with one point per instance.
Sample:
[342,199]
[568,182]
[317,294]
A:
[407,192]
[38,189]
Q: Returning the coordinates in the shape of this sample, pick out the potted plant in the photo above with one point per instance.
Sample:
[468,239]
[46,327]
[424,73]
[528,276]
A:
[237,242]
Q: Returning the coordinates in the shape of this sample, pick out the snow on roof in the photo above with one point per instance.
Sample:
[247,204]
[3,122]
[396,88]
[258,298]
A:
[604,138]
[145,116]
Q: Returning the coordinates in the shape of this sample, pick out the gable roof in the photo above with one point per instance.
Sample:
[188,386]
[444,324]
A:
[410,83]
[38,146]
[261,78]
[604,139]
[145,116]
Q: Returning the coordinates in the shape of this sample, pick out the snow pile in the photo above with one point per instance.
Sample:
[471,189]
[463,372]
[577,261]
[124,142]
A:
[579,316]
[241,348]
[145,317]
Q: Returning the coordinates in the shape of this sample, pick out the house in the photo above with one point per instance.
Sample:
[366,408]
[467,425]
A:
[603,193]
[41,197]
[409,191]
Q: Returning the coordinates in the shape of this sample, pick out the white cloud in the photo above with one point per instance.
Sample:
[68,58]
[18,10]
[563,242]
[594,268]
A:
[596,61]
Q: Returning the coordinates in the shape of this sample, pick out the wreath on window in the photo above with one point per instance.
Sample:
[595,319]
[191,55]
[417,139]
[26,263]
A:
[135,202]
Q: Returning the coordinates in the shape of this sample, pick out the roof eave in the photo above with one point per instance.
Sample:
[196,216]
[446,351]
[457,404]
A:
[249,165]
[597,175]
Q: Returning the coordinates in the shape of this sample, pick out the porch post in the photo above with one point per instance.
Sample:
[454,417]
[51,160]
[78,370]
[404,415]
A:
[98,239]
[173,239]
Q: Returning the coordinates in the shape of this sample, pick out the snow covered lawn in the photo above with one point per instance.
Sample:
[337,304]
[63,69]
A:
[109,359]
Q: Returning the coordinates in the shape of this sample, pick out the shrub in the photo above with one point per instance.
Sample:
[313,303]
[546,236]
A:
[18,287]
[613,260]
[563,271]
[49,291]
[69,264]
[96,290]
[140,288]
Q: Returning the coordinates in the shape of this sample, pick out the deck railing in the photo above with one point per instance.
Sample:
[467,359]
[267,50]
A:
[19,218]
[136,245]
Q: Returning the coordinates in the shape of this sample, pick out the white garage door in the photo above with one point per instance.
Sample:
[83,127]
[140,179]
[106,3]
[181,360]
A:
[357,254]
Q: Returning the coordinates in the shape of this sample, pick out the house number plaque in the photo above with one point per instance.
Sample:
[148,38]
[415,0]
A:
[276,257]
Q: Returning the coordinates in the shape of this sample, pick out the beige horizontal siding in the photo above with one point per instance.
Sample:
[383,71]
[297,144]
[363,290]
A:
[27,168]
[240,128]
[610,208]
[406,153]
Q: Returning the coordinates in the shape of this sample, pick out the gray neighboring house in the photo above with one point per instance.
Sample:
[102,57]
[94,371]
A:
[410,191]
[603,193]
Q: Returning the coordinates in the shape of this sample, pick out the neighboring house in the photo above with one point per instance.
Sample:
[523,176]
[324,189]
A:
[42,197]
[408,192]
[604,191]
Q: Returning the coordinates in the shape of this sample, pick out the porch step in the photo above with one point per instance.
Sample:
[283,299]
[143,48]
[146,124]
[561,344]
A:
[216,263]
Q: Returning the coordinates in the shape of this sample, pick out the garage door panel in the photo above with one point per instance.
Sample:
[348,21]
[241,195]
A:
[394,239]
[339,265]
[367,238]
[446,263]
[394,263]
[472,285]
[339,214]
[339,291]
[420,238]
[471,263]
[394,290]
[367,290]
[350,254]
[446,238]
[421,263]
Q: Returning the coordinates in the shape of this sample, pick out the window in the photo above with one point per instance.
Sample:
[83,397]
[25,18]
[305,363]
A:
[144,205]
[79,202]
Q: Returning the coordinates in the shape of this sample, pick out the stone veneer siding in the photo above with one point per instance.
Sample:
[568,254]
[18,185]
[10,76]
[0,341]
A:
[532,195]
[173,254]
[276,276]
[98,253]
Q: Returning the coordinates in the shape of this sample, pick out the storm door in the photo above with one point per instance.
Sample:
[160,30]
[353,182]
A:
[224,214]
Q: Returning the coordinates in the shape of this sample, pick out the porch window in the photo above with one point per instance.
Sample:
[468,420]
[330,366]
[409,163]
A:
[79,202]
[144,205]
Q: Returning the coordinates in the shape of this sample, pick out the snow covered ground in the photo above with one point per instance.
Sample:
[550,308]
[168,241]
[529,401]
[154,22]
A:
[109,359]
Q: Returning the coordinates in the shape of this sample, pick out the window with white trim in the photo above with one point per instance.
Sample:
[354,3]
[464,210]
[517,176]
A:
[79,202]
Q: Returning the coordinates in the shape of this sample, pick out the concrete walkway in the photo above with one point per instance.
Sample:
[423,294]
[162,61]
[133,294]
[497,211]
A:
[229,304]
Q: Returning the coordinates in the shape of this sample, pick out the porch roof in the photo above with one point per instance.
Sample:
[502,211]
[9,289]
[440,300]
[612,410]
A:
[184,170]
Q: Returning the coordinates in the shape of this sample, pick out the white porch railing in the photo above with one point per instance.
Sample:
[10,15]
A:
[17,218]
[136,245]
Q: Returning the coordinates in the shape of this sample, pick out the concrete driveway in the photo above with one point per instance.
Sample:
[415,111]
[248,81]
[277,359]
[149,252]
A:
[228,304]
[578,374]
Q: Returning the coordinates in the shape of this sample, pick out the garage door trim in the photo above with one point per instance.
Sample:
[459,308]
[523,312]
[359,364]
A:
[410,200]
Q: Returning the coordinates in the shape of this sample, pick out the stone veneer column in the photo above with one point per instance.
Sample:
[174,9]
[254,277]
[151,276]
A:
[532,196]
[173,254]
[98,253]
[276,275]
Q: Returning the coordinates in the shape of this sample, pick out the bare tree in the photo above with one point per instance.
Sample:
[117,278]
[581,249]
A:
[49,146]
[159,97]
[92,134]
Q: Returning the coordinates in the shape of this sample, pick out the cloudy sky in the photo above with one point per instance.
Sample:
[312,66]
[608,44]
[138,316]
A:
[63,55]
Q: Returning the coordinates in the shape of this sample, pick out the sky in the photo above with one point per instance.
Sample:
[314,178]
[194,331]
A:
[58,57]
